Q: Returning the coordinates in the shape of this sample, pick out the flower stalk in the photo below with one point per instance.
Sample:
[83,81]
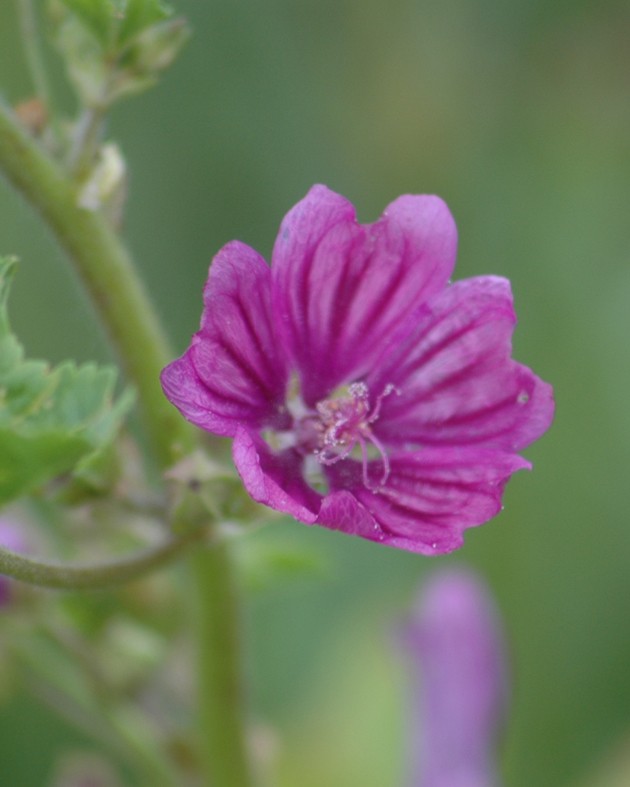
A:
[93,576]
[219,721]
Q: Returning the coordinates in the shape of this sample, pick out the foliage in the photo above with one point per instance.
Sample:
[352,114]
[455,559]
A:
[52,420]
[115,48]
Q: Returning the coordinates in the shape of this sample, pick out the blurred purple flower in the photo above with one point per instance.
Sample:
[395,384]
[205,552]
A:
[363,391]
[459,691]
[11,537]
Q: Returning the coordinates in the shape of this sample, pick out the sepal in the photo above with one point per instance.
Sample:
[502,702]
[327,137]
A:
[203,491]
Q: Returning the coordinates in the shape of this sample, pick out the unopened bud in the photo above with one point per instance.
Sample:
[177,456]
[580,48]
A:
[456,656]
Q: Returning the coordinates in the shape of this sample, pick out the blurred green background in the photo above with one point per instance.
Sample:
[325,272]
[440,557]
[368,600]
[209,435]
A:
[518,114]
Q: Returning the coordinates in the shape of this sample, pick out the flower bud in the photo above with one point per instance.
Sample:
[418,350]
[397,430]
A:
[457,668]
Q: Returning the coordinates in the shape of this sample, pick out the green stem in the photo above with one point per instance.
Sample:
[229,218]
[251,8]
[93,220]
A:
[105,268]
[95,575]
[225,750]
[30,39]
[104,265]
[86,142]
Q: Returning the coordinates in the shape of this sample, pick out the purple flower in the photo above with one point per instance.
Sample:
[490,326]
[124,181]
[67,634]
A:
[363,391]
[459,692]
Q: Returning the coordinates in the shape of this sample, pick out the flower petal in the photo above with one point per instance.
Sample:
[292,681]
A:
[341,289]
[455,380]
[342,511]
[233,372]
[431,496]
[275,480]
[183,388]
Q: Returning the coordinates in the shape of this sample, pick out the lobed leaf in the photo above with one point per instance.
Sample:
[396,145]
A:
[52,420]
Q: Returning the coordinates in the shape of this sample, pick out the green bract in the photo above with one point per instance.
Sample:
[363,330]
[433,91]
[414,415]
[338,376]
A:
[52,421]
[114,48]
[115,22]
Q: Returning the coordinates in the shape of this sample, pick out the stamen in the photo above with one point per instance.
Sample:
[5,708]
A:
[344,424]
[389,389]
[384,459]
[334,458]
[364,458]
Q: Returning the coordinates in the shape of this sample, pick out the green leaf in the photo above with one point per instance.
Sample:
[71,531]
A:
[52,421]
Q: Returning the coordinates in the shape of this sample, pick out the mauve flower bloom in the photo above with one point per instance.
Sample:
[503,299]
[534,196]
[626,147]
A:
[458,695]
[364,392]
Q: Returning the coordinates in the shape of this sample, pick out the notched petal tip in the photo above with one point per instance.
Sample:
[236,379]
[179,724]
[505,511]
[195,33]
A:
[310,219]
[428,226]
[427,209]
[235,266]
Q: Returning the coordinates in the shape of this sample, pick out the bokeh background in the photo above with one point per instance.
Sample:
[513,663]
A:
[518,114]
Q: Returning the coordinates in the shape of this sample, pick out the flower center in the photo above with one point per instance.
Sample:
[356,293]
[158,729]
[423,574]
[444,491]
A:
[342,424]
